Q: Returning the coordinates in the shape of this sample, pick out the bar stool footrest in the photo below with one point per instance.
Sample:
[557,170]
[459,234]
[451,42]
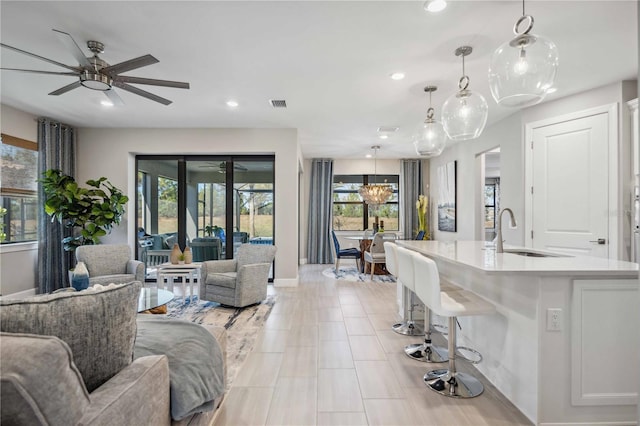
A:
[466,358]
[441,328]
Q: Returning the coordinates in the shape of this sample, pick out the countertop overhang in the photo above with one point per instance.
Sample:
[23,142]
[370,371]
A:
[483,257]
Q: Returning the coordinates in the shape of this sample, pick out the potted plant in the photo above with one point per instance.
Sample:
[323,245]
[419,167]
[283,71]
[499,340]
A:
[90,212]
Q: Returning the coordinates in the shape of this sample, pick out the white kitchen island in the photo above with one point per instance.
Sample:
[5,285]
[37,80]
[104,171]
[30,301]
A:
[564,345]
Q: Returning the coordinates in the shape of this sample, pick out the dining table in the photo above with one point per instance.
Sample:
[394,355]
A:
[364,245]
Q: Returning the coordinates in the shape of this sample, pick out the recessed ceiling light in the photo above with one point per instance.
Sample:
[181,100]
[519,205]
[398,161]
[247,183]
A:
[232,104]
[383,136]
[368,156]
[106,103]
[435,5]
[397,76]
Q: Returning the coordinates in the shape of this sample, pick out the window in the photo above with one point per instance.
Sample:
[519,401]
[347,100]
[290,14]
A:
[351,213]
[167,205]
[490,206]
[18,189]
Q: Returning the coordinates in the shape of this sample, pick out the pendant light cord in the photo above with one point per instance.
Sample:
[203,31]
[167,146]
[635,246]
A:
[523,14]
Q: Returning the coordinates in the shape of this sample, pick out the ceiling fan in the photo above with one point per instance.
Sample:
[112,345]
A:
[94,73]
[222,166]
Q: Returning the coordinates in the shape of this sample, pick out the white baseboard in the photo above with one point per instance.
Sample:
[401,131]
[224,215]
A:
[21,294]
[285,282]
[302,261]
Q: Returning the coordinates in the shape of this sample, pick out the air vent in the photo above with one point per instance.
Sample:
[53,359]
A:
[278,103]
[387,129]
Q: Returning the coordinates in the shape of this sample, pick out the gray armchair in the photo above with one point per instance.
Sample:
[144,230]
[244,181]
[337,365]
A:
[241,281]
[110,263]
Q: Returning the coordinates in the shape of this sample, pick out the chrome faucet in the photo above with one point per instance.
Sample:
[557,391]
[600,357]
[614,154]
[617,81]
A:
[500,248]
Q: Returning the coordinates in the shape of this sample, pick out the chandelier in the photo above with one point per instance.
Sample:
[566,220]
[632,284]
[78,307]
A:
[464,114]
[523,69]
[376,193]
[431,137]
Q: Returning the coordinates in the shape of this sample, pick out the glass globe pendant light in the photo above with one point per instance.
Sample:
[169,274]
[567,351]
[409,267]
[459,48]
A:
[431,137]
[523,70]
[464,114]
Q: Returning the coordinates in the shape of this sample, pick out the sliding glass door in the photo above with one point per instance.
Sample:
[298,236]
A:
[210,203]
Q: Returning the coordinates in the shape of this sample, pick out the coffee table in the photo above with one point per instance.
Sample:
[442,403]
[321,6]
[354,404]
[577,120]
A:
[152,298]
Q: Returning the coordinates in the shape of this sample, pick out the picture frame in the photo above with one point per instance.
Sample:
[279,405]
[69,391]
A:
[447,196]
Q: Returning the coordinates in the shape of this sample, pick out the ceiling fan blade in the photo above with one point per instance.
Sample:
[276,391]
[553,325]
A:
[42,58]
[142,93]
[153,82]
[73,74]
[129,65]
[114,97]
[73,47]
[66,88]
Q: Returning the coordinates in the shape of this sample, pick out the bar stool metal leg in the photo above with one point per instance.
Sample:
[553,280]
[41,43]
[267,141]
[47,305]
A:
[408,327]
[450,382]
[426,352]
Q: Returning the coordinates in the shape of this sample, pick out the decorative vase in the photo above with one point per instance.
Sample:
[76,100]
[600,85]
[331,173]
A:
[422,207]
[188,256]
[80,277]
[175,254]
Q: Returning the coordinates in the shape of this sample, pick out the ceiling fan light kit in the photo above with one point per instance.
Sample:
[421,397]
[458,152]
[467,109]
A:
[431,139]
[523,70]
[96,74]
[464,114]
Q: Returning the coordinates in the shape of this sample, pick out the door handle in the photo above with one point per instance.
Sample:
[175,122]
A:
[599,241]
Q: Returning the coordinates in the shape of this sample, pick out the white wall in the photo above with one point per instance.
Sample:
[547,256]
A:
[507,135]
[18,262]
[111,153]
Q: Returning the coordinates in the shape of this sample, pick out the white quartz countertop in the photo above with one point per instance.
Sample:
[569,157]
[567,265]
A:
[477,255]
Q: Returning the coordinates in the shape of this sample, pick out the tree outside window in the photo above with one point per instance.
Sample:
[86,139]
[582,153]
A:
[351,213]
[18,189]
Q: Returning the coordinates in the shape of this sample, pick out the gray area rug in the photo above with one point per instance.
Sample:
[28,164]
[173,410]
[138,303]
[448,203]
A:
[352,274]
[242,325]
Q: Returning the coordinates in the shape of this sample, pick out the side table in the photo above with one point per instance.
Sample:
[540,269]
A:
[187,272]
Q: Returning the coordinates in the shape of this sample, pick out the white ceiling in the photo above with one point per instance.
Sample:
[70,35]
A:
[330,61]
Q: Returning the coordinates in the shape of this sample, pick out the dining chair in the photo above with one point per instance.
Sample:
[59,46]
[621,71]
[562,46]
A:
[348,253]
[376,254]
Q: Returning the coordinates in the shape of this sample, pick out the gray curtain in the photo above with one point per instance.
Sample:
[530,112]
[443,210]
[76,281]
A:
[320,212]
[56,150]
[410,188]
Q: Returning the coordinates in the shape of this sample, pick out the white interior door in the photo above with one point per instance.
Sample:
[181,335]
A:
[570,194]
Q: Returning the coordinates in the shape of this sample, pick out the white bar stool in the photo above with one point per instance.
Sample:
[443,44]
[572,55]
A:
[451,304]
[407,327]
[425,352]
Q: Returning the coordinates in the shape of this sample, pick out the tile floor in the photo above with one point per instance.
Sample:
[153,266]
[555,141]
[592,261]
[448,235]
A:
[327,356]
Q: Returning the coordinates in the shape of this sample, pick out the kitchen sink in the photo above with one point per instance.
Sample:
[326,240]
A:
[531,253]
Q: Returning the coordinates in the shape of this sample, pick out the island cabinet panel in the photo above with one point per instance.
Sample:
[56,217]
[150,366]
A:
[604,327]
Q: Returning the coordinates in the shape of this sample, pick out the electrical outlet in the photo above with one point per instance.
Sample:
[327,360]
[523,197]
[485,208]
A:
[554,319]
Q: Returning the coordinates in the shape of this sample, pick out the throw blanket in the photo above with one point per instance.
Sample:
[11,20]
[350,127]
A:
[196,367]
